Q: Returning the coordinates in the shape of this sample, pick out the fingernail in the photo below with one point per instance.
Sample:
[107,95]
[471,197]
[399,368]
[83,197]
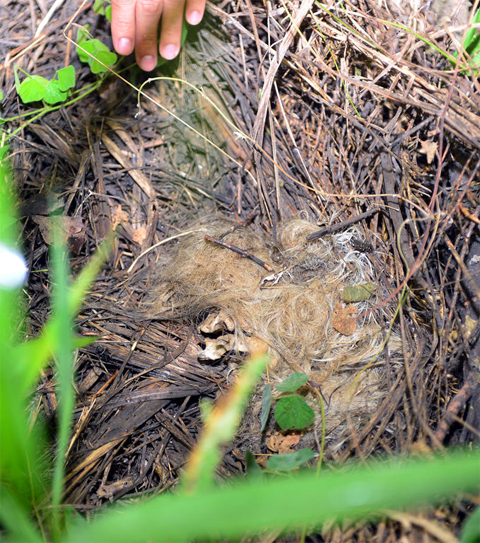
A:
[125,46]
[194,18]
[169,52]
[147,63]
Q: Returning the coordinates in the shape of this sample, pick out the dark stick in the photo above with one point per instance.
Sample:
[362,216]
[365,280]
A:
[341,225]
[454,407]
[241,252]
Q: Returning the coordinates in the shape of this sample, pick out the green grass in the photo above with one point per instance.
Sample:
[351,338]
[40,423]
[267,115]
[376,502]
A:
[32,467]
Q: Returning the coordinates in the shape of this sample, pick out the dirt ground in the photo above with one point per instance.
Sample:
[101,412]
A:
[334,114]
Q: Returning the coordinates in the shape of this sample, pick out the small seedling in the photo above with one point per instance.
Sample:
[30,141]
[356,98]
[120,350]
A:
[291,413]
[36,88]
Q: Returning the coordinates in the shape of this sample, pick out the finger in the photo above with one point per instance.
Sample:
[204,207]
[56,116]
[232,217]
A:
[171,33]
[123,26]
[147,16]
[194,11]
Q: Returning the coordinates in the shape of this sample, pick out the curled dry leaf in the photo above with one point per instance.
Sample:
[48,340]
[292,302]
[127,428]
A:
[344,319]
[282,444]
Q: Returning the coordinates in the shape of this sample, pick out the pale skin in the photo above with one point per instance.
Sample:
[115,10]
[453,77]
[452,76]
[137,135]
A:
[135,26]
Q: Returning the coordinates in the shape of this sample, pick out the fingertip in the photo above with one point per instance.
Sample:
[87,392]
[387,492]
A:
[124,46]
[169,51]
[194,17]
[147,63]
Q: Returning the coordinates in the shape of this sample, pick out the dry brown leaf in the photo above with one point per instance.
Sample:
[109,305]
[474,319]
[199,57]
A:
[343,319]
[140,234]
[429,148]
[74,227]
[282,444]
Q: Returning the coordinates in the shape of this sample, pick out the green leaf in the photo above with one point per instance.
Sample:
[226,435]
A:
[253,469]
[104,59]
[1,95]
[292,383]
[471,528]
[205,405]
[220,427]
[86,44]
[63,349]
[99,56]
[358,293]
[108,12]
[82,36]
[84,341]
[92,47]
[4,152]
[16,518]
[66,78]
[472,38]
[34,88]
[287,462]
[33,355]
[98,7]
[266,404]
[292,413]
[53,94]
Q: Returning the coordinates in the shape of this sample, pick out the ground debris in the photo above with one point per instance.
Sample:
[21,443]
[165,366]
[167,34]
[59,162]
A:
[329,116]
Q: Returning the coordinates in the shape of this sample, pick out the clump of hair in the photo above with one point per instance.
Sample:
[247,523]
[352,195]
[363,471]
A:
[297,310]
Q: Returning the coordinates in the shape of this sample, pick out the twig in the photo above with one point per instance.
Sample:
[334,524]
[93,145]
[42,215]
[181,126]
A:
[344,224]
[51,12]
[241,252]
[454,407]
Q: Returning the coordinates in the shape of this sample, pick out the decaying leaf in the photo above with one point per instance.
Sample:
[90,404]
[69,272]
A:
[344,319]
[279,443]
[358,293]
[75,234]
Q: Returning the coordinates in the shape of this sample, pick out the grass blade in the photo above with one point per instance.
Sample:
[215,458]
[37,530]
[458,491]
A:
[285,504]
[62,340]
[220,427]
[16,519]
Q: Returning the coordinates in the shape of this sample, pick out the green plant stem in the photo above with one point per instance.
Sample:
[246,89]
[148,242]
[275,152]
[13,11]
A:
[448,56]
[39,113]
[322,444]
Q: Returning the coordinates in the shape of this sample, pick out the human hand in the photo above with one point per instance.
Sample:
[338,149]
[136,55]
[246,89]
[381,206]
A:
[135,27]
